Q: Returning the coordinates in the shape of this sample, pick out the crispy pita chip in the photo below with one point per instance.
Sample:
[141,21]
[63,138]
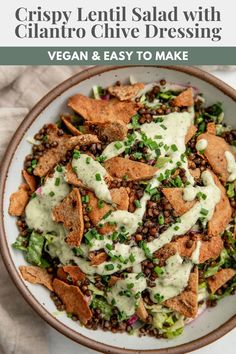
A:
[73,299]
[118,167]
[98,258]
[113,280]
[211,128]
[141,311]
[196,173]
[36,275]
[68,123]
[190,133]
[18,201]
[109,131]
[30,180]
[175,198]
[222,213]
[71,177]
[54,155]
[102,111]
[82,140]
[70,213]
[126,92]
[74,272]
[184,99]
[215,154]
[220,278]
[120,197]
[187,302]
[209,249]
[168,250]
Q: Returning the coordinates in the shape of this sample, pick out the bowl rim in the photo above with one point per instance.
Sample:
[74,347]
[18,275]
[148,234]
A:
[4,249]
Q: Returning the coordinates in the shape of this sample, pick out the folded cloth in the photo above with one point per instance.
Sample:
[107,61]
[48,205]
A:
[21,330]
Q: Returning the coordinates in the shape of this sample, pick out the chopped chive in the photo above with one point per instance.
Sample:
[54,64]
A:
[163,126]
[85,198]
[78,251]
[101,159]
[204,211]
[176,228]
[137,203]
[201,195]
[158,270]
[76,154]
[88,159]
[74,168]
[109,266]
[98,177]
[161,177]
[118,145]
[57,181]
[107,214]
[161,219]
[166,147]
[113,302]
[158,137]
[158,297]
[100,204]
[109,246]
[125,177]
[132,258]
[59,168]
[51,194]
[152,145]
[130,286]
[139,275]
[174,147]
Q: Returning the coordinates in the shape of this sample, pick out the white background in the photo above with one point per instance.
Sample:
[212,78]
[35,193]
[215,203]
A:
[58,344]
[8,22]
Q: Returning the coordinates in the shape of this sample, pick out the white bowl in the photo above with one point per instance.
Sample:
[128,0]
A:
[214,322]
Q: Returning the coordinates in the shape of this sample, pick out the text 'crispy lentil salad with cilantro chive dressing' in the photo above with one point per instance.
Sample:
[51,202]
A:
[127,210]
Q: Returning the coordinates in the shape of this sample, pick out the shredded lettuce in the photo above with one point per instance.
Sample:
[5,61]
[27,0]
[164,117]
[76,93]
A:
[213,270]
[95,290]
[202,291]
[101,304]
[97,92]
[19,244]
[161,161]
[167,321]
[230,190]
[35,249]
[226,292]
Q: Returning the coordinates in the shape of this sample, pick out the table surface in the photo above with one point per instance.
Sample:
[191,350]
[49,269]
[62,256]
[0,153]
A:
[59,344]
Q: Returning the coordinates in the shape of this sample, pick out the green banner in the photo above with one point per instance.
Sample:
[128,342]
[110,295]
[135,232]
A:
[117,55]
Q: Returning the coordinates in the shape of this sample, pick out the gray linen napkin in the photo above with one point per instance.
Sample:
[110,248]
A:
[21,330]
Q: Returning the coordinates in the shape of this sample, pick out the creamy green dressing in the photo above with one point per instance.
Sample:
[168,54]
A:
[189,193]
[125,291]
[92,174]
[201,145]
[173,280]
[112,151]
[171,134]
[39,210]
[231,166]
